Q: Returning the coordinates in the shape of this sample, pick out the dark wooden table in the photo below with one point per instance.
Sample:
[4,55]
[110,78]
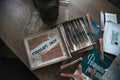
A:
[14,15]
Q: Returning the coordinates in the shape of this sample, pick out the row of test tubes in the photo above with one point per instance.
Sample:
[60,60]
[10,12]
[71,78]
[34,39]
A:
[78,34]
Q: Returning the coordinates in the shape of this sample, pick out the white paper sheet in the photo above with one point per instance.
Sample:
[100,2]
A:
[111,38]
[111,17]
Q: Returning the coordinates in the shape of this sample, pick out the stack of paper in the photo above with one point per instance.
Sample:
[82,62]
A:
[105,17]
[111,38]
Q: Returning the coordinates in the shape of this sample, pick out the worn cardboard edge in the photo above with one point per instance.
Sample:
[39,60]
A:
[51,62]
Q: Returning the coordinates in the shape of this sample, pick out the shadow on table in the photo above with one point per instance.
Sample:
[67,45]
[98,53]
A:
[11,68]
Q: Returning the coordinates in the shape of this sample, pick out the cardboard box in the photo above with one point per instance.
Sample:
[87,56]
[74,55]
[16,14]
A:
[57,44]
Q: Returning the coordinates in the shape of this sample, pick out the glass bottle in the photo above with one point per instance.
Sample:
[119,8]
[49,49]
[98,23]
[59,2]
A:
[49,9]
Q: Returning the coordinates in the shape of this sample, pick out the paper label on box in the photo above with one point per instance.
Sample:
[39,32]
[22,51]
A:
[45,47]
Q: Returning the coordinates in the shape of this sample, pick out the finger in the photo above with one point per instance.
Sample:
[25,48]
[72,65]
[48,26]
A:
[69,75]
[71,63]
[93,71]
[80,68]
